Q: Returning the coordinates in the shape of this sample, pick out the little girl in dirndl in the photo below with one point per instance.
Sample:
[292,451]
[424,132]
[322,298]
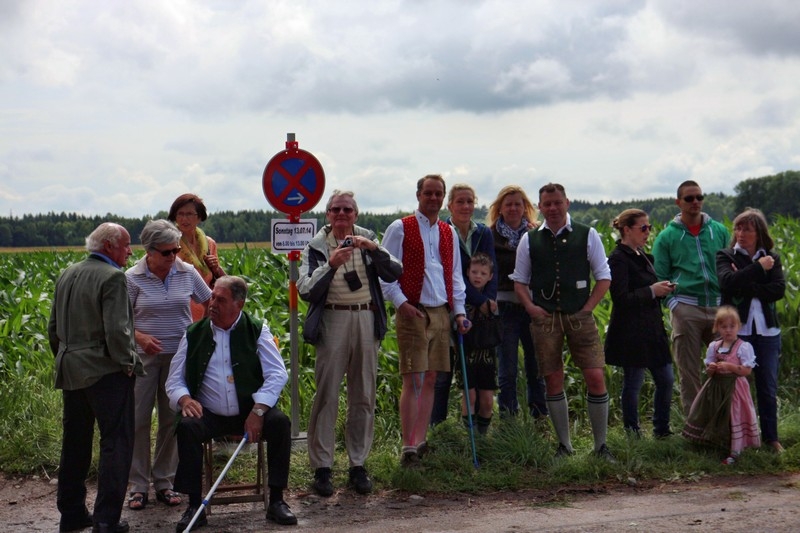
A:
[723,413]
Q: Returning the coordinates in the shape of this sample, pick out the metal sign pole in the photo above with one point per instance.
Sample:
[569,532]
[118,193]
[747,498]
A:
[294,362]
[294,358]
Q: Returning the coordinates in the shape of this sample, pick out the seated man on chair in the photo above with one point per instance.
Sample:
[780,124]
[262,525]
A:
[225,379]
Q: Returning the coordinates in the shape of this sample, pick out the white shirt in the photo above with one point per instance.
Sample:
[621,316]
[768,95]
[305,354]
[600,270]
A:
[747,357]
[595,253]
[434,292]
[217,392]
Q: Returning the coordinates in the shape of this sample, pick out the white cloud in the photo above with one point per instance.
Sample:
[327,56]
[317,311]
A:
[120,107]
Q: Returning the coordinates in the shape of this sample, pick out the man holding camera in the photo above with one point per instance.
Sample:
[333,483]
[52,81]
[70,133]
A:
[346,321]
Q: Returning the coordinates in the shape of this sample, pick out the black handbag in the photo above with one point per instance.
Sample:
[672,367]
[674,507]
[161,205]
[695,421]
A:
[485,332]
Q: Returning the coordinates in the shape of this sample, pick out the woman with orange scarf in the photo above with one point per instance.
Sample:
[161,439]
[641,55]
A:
[197,249]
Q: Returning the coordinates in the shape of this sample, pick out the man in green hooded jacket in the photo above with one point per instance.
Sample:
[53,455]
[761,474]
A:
[685,254]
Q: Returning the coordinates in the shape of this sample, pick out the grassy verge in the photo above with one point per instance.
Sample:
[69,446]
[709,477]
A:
[516,454]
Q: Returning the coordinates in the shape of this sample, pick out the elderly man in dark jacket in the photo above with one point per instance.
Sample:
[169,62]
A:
[346,321]
[91,333]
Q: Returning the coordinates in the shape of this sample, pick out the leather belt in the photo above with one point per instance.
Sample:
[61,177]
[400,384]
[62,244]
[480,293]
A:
[356,307]
[423,307]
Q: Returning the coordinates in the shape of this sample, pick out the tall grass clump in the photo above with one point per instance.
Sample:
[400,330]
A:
[30,408]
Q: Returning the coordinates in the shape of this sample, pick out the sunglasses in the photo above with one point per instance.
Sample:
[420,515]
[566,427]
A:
[692,198]
[167,253]
[645,227]
[337,210]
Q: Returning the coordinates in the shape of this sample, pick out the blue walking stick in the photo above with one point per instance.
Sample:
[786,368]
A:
[466,396]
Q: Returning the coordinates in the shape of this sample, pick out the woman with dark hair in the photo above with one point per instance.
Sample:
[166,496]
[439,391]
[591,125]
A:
[197,249]
[636,339]
[511,215]
[751,279]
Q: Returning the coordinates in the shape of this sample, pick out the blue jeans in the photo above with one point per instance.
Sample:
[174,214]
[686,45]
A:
[441,389]
[441,397]
[768,353]
[517,329]
[632,384]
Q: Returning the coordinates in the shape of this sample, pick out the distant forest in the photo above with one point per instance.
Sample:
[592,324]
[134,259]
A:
[775,195]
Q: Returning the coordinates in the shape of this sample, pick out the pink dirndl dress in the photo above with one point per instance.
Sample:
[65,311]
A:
[743,421]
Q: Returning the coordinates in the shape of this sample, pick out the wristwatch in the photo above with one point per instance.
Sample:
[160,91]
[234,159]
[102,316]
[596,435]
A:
[259,412]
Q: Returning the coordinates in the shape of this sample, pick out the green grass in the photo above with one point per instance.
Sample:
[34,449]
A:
[518,454]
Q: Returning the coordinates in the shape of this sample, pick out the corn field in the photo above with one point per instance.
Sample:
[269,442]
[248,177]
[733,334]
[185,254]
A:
[30,408]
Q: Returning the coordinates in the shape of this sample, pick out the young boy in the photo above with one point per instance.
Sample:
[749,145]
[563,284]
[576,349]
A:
[480,358]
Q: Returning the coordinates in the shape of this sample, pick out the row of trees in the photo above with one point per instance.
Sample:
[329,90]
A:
[775,195]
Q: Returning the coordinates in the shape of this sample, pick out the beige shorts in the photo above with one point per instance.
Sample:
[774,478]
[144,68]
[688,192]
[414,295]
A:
[582,337]
[424,343]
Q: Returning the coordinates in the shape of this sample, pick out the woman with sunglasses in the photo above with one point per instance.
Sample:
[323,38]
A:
[636,339]
[198,249]
[160,288]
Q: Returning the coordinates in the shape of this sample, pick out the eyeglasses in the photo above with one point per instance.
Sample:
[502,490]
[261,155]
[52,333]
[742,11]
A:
[645,227]
[691,198]
[167,253]
[337,210]
[181,214]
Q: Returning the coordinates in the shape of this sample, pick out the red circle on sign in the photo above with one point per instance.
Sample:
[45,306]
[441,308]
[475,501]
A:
[293,181]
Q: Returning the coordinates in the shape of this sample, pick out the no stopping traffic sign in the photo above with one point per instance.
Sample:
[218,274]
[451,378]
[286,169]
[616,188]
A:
[293,181]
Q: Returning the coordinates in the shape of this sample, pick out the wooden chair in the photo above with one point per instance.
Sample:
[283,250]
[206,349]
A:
[234,493]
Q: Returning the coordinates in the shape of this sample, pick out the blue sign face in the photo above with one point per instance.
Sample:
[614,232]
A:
[297,179]
[293,181]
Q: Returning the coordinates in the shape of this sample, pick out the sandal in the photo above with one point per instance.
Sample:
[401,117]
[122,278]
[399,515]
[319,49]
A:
[137,501]
[169,497]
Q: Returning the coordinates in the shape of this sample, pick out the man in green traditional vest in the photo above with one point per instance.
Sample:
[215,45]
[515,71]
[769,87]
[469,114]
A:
[552,280]
[225,379]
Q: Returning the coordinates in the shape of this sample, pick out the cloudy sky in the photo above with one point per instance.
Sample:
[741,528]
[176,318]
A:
[120,106]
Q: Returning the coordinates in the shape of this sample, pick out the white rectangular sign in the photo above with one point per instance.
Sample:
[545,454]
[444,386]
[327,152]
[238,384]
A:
[288,236]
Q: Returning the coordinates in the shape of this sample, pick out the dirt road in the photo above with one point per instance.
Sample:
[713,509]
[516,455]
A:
[735,503]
